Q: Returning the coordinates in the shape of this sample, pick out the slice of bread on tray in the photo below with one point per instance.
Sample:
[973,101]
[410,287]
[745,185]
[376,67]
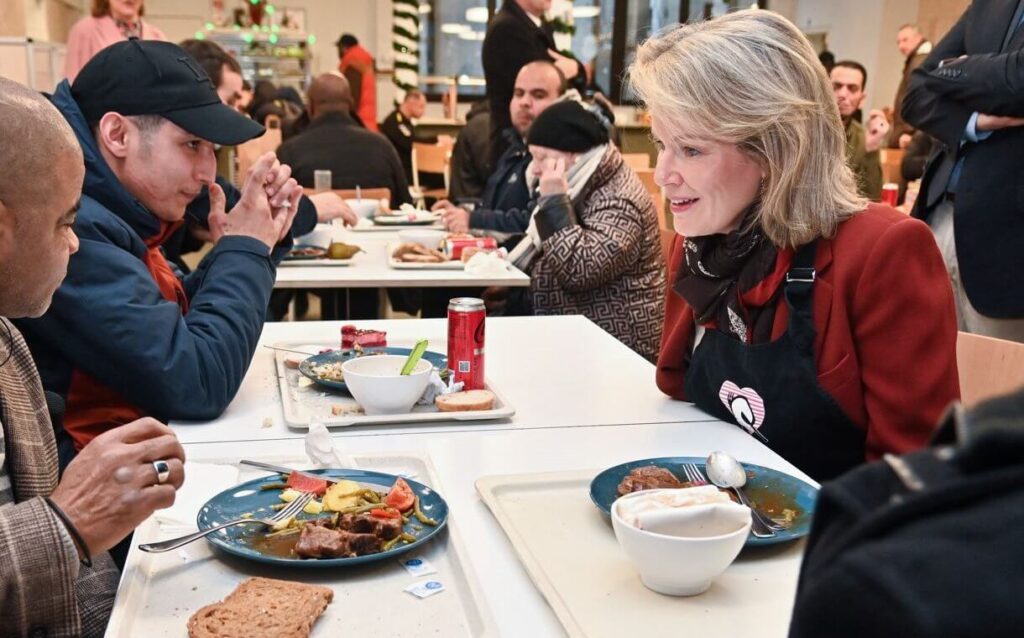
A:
[468,400]
[263,607]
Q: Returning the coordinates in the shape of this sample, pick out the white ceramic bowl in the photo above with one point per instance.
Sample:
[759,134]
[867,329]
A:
[376,383]
[320,236]
[422,236]
[365,208]
[679,565]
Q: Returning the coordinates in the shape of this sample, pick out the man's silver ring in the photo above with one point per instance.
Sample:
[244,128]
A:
[163,471]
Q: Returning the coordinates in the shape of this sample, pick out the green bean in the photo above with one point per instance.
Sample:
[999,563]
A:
[408,538]
[273,486]
[371,496]
[278,506]
[389,544]
[358,509]
[286,531]
[420,516]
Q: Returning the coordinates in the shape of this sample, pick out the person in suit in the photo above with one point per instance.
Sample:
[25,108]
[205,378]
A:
[516,36]
[968,95]
[56,578]
[914,47]
[818,323]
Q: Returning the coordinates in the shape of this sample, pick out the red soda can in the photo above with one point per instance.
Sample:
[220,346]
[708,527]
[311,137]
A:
[466,317]
[890,193]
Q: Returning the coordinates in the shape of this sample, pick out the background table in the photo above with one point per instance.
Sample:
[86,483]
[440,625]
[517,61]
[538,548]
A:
[370,269]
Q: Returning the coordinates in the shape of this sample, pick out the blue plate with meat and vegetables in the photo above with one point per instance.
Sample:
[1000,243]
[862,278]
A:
[785,499]
[357,516]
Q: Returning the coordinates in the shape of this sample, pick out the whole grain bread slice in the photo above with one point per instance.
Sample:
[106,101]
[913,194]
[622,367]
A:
[262,607]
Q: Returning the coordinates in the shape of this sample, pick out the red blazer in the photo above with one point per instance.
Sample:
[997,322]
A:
[886,328]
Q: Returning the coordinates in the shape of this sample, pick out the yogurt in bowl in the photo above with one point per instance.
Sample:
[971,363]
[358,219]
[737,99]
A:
[679,540]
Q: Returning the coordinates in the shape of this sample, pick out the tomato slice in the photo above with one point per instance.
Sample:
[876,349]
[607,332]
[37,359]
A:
[385,513]
[306,483]
[401,496]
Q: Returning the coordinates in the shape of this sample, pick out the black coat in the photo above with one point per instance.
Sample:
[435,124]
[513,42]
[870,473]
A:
[401,132]
[512,42]
[470,157]
[988,217]
[507,204]
[355,156]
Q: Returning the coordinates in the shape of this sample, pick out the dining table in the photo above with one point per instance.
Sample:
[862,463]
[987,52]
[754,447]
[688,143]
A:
[583,402]
[370,268]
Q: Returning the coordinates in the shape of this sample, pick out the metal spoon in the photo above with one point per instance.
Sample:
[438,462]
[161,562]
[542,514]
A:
[726,472]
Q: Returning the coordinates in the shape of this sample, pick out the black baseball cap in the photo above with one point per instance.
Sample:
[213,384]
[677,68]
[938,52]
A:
[147,77]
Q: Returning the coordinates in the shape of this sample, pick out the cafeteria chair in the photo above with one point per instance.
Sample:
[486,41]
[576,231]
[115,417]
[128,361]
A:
[433,159]
[891,158]
[647,179]
[350,193]
[249,152]
[988,367]
[637,161]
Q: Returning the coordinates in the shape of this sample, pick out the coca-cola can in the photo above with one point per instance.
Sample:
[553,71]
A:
[890,193]
[466,316]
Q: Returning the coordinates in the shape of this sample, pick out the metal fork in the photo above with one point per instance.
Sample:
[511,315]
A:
[291,510]
[759,527]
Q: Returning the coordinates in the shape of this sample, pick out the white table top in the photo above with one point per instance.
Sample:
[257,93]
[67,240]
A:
[558,372]
[461,458]
[370,269]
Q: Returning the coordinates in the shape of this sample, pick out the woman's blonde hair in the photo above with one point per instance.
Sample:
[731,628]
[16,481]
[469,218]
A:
[750,78]
[101,8]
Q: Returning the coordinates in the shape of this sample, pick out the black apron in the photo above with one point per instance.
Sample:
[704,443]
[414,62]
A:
[771,389]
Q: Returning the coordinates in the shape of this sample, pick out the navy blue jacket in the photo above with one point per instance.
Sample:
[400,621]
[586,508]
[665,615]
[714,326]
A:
[506,204]
[110,322]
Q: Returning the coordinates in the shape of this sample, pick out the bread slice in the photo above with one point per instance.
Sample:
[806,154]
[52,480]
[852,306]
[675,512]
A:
[470,400]
[262,608]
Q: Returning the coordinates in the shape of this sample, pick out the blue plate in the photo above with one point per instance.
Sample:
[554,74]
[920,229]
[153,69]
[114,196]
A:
[248,498]
[439,360]
[770,490]
[291,256]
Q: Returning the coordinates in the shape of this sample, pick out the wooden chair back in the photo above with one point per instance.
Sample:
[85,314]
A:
[350,193]
[891,159]
[637,161]
[647,179]
[988,367]
[249,152]
[431,158]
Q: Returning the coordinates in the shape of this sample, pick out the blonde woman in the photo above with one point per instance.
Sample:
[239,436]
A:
[111,21]
[819,323]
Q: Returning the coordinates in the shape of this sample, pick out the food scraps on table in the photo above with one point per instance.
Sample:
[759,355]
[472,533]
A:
[307,252]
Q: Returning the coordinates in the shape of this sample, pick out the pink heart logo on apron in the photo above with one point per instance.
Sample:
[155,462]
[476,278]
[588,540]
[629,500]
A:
[746,405]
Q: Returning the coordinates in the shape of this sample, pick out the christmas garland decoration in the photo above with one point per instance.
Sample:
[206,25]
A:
[405,41]
[563,26]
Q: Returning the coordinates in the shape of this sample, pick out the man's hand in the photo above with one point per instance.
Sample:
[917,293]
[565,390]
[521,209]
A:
[552,177]
[455,219]
[995,122]
[270,199]
[441,205]
[569,67]
[329,206]
[111,486]
[905,139]
[877,129]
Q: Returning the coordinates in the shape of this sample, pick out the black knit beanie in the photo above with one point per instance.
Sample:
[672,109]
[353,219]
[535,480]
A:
[567,126]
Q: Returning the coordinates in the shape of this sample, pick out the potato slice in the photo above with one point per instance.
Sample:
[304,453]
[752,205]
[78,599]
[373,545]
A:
[342,494]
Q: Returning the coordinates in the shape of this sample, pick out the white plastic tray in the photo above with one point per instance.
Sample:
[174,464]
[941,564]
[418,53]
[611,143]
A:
[159,592]
[315,262]
[304,404]
[570,553]
[367,226]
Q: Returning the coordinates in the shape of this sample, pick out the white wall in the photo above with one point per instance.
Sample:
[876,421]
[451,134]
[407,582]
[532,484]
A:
[864,31]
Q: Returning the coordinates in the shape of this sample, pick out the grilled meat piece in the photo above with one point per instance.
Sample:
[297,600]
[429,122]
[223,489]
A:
[649,477]
[383,528]
[318,541]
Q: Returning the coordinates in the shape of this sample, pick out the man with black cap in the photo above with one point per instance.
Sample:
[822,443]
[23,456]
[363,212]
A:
[124,337]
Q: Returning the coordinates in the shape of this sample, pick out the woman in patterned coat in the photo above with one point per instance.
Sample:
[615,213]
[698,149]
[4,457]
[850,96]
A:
[593,243]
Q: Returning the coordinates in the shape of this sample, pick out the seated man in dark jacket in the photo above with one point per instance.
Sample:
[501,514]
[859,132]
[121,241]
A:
[334,142]
[400,129]
[469,168]
[505,203]
[124,337]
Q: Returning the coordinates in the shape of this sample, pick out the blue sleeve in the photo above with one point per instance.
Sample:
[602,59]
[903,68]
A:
[971,133]
[514,220]
[109,320]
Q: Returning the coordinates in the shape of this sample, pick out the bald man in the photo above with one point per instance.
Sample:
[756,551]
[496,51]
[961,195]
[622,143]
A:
[334,141]
[50,531]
